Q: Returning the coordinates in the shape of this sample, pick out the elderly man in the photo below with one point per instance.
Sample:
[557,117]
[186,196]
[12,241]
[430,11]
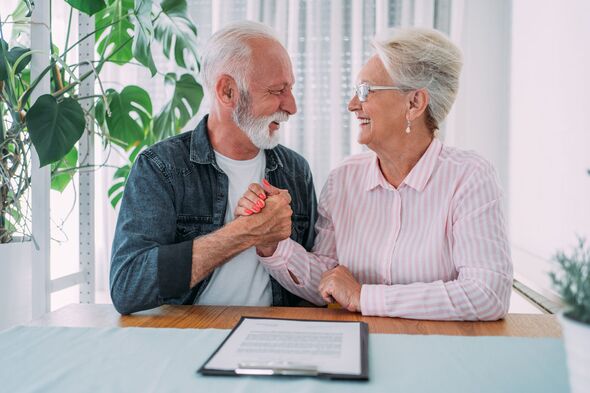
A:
[177,241]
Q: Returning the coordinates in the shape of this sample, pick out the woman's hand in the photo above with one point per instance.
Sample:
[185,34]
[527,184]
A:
[254,200]
[251,202]
[340,285]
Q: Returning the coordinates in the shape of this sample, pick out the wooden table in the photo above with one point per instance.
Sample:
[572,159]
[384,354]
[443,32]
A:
[104,315]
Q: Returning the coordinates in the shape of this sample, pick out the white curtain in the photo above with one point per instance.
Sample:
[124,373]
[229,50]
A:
[328,42]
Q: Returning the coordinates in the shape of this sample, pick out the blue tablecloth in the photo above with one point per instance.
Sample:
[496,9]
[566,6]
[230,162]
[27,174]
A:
[57,359]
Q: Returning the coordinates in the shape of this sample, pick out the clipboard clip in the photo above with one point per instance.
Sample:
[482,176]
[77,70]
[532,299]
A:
[276,368]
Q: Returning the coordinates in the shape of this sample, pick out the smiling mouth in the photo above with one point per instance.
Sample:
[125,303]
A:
[364,122]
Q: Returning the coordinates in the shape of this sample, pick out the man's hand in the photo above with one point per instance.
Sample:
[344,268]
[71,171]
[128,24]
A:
[267,212]
[340,285]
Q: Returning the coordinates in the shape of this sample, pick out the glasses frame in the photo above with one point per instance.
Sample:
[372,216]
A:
[362,90]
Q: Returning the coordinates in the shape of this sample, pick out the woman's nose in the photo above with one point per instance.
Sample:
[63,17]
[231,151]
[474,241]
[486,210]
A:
[354,104]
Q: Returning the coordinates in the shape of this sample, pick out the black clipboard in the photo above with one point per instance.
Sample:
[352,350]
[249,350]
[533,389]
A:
[364,351]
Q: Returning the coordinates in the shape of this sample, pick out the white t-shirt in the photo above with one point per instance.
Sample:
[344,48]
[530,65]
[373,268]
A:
[241,281]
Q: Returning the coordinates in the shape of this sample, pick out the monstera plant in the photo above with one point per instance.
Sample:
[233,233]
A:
[125,119]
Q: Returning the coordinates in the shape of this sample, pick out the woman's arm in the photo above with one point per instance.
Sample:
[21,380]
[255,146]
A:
[300,271]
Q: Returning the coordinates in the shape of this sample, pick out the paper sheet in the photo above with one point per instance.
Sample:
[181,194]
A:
[333,347]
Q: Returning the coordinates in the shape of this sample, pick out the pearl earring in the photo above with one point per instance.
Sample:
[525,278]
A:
[408,129]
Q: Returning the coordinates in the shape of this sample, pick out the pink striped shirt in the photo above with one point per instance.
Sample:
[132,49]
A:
[434,248]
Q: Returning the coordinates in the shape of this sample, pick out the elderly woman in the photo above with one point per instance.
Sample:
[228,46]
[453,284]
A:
[413,228]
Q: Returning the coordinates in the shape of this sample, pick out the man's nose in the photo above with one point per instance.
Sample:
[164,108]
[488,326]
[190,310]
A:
[288,104]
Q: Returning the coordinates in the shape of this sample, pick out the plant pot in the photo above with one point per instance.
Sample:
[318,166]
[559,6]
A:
[576,336]
[15,283]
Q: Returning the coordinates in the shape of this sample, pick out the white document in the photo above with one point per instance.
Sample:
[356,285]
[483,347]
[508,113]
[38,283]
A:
[331,347]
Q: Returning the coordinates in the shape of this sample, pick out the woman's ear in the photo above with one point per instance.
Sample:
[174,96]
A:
[418,103]
[226,91]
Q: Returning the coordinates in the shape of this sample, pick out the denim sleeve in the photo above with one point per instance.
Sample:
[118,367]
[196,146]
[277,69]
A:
[147,266]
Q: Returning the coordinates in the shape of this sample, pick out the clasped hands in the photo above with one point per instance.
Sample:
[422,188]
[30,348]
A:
[269,209]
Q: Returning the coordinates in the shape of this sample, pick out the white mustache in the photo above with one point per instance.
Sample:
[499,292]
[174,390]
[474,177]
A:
[280,117]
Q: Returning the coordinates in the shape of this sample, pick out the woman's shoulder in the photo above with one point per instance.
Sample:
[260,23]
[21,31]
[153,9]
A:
[355,163]
[467,159]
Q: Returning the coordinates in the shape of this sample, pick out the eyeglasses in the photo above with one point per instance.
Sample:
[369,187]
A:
[362,90]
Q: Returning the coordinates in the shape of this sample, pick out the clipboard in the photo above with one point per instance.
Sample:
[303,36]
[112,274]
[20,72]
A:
[293,369]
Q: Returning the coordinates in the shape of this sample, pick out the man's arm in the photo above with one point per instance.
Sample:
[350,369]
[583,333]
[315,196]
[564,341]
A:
[148,266]
[211,251]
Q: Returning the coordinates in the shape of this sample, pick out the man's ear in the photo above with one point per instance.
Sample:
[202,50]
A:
[418,102]
[226,91]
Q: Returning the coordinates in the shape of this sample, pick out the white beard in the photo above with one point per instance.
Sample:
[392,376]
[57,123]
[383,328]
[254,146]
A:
[256,128]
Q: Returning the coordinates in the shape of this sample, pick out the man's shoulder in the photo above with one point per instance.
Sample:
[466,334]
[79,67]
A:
[170,148]
[291,159]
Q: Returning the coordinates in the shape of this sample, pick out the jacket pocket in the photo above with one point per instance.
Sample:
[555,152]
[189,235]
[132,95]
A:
[189,226]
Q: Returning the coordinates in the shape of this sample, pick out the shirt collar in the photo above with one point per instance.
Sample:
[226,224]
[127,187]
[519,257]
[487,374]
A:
[418,176]
[201,151]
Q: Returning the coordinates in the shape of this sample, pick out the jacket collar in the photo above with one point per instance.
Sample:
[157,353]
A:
[201,151]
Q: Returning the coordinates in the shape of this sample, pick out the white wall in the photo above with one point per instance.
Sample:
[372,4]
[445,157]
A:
[480,117]
[549,130]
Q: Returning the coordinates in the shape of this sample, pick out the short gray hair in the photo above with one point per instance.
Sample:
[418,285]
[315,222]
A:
[228,52]
[417,58]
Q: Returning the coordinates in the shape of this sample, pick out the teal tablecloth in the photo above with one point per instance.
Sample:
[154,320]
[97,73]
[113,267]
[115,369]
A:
[54,359]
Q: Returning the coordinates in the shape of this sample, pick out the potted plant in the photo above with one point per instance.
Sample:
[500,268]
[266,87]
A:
[125,118]
[572,281]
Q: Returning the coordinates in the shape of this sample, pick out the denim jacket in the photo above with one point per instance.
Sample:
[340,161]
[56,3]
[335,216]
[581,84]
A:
[175,193]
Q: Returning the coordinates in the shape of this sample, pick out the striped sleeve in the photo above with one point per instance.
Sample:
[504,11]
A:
[292,260]
[480,254]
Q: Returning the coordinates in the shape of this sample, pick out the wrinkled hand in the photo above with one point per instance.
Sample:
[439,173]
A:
[340,285]
[268,210]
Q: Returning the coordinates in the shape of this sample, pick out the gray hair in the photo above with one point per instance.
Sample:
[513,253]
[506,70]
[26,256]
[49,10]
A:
[228,52]
[418,58]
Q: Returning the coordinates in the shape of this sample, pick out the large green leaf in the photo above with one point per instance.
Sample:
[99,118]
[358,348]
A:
[144,31]
[181,108]
[12,56]
[89,7]
[54,127]
[176,32]
[114,30]
[62,172]
[131,113]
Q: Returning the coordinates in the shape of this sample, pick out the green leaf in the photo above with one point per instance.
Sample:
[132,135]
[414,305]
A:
[131,113]
[114,30]
[181,108]
[14,56]
[100,111]
[89,7]
[116,191]
[177,33]
[54,127]
[116,199]
[122,172]
[144,31]
[60,180]
[3,60]
[11,57]
[136,150]
[115,187]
